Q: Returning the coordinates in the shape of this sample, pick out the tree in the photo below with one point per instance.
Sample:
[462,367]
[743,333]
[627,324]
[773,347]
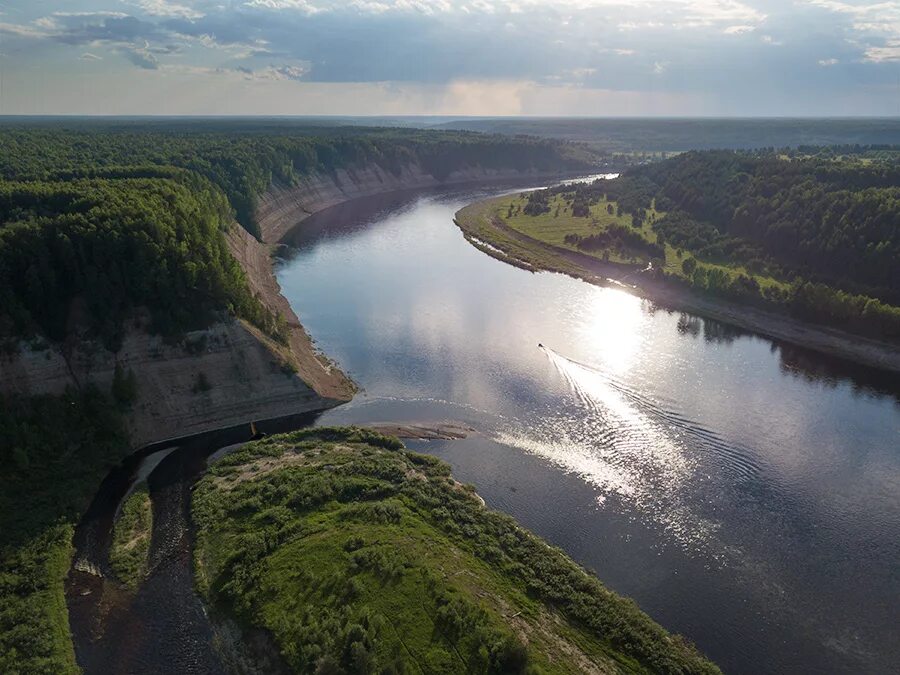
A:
[124,386]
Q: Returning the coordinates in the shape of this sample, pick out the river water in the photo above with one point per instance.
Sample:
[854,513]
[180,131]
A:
[745,494]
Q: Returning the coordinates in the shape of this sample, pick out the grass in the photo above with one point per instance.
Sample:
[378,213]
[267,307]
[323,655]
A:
[55,451]
[356,555]
[553,227]
[130,548]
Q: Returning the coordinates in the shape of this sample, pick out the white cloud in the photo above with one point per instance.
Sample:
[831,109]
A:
[21,31]
[739,30]
[166,8]
[876,23]
[828,62]
[87,56]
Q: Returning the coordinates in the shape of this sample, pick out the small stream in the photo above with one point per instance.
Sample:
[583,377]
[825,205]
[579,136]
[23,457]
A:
[163,626]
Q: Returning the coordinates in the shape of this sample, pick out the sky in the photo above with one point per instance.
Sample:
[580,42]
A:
[451,57]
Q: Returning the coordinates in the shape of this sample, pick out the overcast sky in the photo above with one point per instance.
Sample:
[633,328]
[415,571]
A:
[453,57]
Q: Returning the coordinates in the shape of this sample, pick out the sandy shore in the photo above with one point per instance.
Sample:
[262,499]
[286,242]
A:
[437,431]
[511,246]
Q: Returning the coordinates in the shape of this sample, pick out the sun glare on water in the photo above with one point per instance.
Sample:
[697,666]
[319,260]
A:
[610,326]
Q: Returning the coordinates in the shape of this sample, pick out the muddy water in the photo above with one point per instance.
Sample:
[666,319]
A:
[163,626]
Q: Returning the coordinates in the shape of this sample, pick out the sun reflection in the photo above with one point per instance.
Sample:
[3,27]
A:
[610,325]
[622,443]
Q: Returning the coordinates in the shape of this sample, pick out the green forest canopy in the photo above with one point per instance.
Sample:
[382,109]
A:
[121,216]
[243,158]
[358,556]
[827,224]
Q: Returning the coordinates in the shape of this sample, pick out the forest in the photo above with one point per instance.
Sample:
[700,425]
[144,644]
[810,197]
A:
[85,253]
[384,564]
[244,158]
[814,231]
[104,225]
[98,220]
[55,450]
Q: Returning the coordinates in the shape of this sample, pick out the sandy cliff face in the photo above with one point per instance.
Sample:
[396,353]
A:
[231,373]
[281,208]
[228,374]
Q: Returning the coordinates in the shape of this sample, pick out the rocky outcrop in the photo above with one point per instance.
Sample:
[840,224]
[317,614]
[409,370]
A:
[225,375]
[228,374]
[283,207]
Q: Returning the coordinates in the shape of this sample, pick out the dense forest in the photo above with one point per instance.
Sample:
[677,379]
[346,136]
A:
[243,159]
[823,224]
[86,252]
[97,220]
[54,451]
[384,564]
[637,136]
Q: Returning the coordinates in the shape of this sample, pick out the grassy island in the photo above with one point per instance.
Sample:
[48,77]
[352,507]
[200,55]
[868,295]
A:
[130,548]
[356,555]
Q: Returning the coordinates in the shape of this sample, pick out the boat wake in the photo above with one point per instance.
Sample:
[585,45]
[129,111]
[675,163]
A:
[631,448]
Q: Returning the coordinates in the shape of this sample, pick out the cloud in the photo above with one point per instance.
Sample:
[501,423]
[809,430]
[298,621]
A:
[87,56]
[166,8]
[739,30]
[828,62]
[20,31]
[718,51]
[875,25]
[142,58]
[282,72]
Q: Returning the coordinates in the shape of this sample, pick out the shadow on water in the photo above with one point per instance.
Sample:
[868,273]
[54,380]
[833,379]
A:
[162,627]
[796,361]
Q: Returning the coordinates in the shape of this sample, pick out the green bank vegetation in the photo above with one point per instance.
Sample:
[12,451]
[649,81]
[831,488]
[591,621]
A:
[130,548]
[357,556]
[107,225]
[54,452]
[89,252]
[243,159]
[815,236]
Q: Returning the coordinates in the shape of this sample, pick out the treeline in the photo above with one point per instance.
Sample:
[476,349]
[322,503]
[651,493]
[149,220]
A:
[244,161]
[620,238]
[87,252]
[54,451]
[834,221]
[97,220]
[827,224]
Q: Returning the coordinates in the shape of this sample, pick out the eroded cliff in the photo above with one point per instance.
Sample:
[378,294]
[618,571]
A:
[231,373]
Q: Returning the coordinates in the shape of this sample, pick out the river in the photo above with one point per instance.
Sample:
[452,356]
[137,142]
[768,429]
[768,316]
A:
[746,494]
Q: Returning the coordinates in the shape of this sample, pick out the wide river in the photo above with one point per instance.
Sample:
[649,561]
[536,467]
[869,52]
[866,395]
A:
[745,494]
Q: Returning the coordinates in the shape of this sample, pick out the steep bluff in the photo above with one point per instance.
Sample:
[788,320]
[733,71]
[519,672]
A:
[229,373]
[282,207]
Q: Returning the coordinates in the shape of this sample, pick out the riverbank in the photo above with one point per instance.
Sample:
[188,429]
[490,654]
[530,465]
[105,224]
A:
[370,574]
[495,238]
[282,207]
